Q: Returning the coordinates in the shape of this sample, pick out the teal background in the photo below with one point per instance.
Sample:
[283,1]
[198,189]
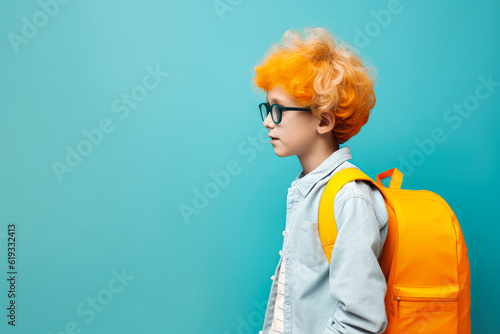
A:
[120,207]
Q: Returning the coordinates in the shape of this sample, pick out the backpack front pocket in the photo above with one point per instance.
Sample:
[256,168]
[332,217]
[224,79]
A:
[423,309]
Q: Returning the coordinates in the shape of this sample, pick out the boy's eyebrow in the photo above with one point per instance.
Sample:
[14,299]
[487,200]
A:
[275,100]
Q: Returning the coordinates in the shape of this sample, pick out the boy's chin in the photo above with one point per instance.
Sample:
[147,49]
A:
[282,154]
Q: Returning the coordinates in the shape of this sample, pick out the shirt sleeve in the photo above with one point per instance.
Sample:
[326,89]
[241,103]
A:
[356,279]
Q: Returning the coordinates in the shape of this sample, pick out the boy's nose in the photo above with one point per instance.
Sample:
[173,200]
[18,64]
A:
[268,121]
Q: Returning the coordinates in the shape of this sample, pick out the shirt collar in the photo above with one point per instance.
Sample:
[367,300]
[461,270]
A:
[307,182]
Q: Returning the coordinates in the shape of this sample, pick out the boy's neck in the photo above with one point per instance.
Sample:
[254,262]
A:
[316,155]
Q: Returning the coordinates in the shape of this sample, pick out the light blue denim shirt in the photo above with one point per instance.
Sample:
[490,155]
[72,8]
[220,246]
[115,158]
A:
[348,295]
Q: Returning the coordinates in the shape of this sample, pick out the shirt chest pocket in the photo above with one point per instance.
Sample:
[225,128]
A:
[309,249]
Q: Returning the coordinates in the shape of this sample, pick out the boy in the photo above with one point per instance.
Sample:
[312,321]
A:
[319,95]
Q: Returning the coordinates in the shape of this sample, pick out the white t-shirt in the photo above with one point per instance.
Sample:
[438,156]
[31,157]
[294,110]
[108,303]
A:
[277,326]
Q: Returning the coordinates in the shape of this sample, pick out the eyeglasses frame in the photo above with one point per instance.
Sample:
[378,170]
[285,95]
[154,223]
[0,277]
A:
[280,109]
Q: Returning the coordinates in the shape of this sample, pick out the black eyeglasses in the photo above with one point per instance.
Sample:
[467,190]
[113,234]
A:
[275,111]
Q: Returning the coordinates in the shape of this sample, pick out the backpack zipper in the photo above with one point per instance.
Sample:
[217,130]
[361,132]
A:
[398,299]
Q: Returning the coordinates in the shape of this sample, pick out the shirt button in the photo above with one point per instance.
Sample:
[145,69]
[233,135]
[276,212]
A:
[260,332]
[284,232]
[281,253]
[272,277]
[287,302]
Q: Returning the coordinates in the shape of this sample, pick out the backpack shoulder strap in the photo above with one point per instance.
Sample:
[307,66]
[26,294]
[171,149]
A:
[326,219]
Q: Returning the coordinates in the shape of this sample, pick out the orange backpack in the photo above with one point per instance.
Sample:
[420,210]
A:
[424,259]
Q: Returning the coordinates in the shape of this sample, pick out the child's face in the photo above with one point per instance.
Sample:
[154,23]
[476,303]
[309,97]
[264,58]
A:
[296,133]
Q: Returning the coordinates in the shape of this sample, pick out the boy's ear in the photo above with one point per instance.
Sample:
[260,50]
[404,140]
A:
[327,122]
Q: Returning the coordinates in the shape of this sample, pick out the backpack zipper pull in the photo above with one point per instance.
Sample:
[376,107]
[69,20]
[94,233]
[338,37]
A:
[397,299]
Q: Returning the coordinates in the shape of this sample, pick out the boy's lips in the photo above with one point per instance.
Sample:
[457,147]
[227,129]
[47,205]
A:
[272,137]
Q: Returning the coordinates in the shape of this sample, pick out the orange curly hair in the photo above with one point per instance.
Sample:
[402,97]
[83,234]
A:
[321,75]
